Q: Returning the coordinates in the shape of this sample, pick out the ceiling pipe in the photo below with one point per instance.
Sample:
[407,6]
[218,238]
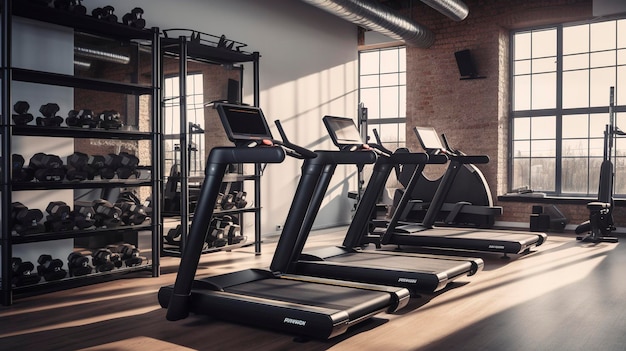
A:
[377,17]
[374,16]
[454,9]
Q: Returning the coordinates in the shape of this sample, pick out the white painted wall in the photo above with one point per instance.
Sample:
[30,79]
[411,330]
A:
[308,68]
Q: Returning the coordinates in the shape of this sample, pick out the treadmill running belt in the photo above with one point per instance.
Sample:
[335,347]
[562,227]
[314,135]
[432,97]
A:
[319,295]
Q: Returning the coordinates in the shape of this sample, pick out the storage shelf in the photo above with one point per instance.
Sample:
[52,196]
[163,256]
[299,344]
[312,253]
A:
[79,133]
[85,184]
[119,31]
[76,280]
[57,79]
[71,234]
[111,91]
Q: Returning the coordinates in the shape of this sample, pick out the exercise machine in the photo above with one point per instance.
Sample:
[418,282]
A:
[294,304]
[468,203]
[600,224]
[426,234]
[420,273]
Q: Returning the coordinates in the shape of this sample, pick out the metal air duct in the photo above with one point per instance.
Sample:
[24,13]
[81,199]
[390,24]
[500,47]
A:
[374,16]
[454,9]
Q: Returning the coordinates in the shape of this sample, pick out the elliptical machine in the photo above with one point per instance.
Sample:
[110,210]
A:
[600,223]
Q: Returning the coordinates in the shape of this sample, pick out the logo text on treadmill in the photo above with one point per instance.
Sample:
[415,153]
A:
[498,247]
[407,280]
[294,321]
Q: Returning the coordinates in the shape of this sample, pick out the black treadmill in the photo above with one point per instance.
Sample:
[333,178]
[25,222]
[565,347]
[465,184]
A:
[298,305]
[419,273]
[425,234]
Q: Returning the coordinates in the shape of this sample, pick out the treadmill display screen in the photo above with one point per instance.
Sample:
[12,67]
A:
[342,131]
[429,139]
[243,122]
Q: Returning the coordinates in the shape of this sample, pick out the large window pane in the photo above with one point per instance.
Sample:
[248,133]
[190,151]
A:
[382,90]
[575,147]
[603,35]
[575,39]
[543,127]
[543,91]
[578,61]
[389,61]
[544,43]
[521,46]
[521,128]
[575,89]
[593,57]
[543,172]
[575,175]
[601,79]
[575,126]
[521,99]
[369,62]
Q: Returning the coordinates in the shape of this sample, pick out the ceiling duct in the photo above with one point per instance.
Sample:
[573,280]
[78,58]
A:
[454,9]
[374,16]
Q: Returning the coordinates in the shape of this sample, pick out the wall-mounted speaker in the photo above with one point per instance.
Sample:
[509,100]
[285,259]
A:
[467,68]
[234,92]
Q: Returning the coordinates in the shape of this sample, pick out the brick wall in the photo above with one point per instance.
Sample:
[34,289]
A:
[474,113]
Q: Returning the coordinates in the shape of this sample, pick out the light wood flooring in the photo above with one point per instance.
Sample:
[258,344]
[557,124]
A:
[563,296]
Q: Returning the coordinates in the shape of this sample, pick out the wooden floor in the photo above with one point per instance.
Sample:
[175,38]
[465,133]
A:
[564,296]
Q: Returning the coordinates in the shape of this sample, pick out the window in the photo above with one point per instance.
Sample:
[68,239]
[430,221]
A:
[382,90]
[561,79]
[195,118]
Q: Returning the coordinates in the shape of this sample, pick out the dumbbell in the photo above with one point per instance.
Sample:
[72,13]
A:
[102,260]
[82,118]
[78,264]
[77,8]
[134,18]
[110,119]
[58,219]
[26,221]
[128,253]
[18,172]
[240,199]
[23,273]
[111,163]
[83,215]
[227,202]
[50,268]
[47,167]
[127,165]
[132,213]
[106,214]
[105,14]
[76,166]
[22,117]
[50,118]
[94,164]
[173,234]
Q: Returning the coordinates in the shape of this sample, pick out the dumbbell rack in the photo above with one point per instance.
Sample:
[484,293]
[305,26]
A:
[29,12]
[192,46]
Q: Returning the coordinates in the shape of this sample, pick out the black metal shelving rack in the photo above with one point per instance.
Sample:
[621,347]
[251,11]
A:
[210,49]
[92,26]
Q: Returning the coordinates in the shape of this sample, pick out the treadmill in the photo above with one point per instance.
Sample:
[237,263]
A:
[294,304]
[425,234]
[419,273]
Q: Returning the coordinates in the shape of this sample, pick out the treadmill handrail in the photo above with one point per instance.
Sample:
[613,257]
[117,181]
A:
[292,149]
[219,158]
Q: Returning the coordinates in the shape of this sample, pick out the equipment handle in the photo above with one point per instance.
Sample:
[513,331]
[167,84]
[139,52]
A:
[293,150]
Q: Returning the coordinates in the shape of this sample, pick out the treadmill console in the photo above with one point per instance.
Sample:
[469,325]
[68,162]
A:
[244,125]
[429,139]
[343,132]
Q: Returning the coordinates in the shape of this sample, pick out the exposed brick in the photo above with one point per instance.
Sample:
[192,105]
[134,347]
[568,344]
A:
[474,113]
